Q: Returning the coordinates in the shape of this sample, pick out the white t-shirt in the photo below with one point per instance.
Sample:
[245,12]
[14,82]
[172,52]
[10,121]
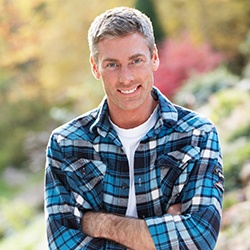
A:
[130,139]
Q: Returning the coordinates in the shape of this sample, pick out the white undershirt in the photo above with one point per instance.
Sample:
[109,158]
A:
[130,139]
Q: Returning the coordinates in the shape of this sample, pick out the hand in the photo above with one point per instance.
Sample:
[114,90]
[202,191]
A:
[175,209]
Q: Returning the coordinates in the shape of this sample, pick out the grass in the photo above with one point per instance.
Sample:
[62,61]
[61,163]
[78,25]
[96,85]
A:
[32,237]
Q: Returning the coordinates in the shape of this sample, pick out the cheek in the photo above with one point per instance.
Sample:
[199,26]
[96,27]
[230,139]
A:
[109,78]
[146,74]
[108,82]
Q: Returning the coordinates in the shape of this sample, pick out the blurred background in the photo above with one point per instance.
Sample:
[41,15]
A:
[45,80]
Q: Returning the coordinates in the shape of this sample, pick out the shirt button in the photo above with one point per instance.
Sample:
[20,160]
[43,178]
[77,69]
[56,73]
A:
[83,171]
[124,185]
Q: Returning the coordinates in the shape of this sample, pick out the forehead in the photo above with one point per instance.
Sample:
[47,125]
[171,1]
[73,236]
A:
[120,48]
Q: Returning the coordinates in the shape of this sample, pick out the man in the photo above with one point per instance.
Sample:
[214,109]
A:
[138,172]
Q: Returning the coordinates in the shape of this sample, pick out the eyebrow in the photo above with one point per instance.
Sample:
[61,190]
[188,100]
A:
[136,55]
[109,59]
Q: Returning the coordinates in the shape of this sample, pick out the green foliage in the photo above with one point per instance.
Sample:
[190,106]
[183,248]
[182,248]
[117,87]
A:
[230,109]
[17,119]
[29,238]
[230,199]
[207,22]
[225,102]
[245,50]
[242,131]
[7,190]
[13,219]
[233,162]
[198,89]
[148,7]
[246,71]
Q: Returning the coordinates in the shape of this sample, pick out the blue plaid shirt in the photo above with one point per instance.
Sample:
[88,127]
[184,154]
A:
[178,161]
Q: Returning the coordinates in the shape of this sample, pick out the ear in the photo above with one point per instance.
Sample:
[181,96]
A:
[94,68]
[155,59]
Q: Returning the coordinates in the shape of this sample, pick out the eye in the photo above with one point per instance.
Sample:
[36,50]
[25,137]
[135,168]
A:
[136,61]
[111,65]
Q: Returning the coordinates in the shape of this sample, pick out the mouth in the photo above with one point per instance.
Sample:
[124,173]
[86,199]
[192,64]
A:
[129,91]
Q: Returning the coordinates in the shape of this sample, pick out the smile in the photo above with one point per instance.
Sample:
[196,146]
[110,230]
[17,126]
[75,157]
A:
[129,91]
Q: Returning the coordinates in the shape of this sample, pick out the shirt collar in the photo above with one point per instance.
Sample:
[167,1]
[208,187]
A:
[167,114]
[167,111]
[102,123]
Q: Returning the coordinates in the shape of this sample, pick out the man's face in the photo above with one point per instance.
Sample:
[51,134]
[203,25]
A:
[126,70]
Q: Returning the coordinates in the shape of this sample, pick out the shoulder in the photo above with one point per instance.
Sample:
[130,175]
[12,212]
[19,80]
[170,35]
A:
[77,128]
[189,120]
[181,118]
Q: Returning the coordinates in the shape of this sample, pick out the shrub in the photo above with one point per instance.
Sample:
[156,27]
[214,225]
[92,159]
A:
[179,59]
[245,50]
[197,89]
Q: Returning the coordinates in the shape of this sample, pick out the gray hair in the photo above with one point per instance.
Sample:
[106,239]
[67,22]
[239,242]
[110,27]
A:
[118,22]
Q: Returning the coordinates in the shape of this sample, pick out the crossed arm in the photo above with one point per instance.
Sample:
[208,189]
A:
[130,232]
[197,226]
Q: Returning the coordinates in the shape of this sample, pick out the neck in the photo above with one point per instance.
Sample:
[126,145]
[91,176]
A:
[132,118]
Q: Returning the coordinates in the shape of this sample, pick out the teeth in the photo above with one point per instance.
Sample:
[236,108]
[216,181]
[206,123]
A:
[128,91]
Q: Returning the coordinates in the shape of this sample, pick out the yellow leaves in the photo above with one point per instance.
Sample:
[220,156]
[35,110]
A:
[20,41]
[222,23]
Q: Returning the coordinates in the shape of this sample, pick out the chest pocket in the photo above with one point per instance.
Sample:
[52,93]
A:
[175,170]
[86,177]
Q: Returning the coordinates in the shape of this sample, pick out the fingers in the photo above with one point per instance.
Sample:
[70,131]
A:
[175,209]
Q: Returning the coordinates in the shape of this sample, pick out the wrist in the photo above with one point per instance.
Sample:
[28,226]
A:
[92,224]
[102,225]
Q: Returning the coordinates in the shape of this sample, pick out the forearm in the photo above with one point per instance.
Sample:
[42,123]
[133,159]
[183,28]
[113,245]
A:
[130,232]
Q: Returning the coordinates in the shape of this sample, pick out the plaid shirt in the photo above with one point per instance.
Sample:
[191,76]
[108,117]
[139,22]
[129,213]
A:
[178,161]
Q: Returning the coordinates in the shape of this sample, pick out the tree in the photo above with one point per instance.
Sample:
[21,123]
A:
[148,8]
[221,23]
[21,99]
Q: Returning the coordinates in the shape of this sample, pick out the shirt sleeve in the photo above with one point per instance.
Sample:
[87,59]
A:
[198,225]
[63,215]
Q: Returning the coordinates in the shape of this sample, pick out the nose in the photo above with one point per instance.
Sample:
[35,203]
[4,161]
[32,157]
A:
[125,75]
